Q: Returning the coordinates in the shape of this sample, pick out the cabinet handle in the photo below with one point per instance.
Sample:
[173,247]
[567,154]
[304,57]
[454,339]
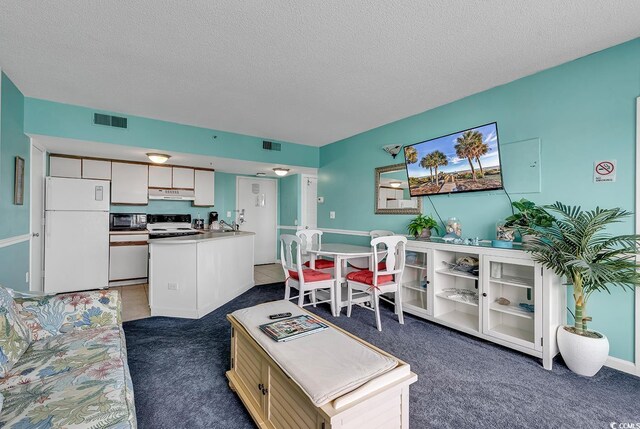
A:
[484,294]
[265,391]
[260,386]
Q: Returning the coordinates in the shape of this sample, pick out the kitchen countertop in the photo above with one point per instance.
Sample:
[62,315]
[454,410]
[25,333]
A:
[142,231]
[205,236]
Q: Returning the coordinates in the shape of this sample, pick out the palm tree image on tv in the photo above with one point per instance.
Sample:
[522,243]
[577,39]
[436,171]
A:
[465,161]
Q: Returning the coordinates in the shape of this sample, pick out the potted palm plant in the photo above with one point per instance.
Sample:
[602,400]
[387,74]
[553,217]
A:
[422,225]
[576,247]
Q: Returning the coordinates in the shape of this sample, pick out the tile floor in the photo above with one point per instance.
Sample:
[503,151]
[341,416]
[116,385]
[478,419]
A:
[135,298]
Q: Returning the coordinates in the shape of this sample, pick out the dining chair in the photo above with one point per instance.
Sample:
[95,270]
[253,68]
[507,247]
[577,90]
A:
[310,237]
[371,284]
[360,263]
[304,279]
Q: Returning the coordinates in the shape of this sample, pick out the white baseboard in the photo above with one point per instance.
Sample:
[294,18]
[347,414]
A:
[621,365]
[174,312]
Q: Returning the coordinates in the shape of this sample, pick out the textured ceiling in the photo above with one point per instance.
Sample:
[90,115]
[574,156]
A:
[310,72]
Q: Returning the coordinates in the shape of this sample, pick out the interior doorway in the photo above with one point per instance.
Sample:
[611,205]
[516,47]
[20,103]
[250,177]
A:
[257,204]
[37,217]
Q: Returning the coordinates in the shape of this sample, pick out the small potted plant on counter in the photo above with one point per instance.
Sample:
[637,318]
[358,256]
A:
[421,226]
[576,247]
[529,215]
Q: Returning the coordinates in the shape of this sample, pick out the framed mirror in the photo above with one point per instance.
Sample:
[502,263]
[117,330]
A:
[392,192]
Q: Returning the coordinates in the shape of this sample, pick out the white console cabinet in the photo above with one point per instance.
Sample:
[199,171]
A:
[469,303]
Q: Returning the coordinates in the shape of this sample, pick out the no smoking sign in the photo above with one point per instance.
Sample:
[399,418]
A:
[604,171]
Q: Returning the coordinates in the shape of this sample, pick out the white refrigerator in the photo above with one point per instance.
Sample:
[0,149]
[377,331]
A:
[76,255]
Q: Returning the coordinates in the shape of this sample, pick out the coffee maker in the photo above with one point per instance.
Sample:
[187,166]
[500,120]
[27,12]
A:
[213,217]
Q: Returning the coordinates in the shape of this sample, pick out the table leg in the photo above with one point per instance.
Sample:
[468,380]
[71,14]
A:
[337,263]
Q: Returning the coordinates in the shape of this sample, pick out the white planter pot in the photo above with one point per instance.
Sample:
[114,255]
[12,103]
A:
[583,355]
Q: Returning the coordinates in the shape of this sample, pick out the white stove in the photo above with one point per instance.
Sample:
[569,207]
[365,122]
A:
[162,225]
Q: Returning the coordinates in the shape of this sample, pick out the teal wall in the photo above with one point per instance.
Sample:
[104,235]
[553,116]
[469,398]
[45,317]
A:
[224,198]
[14,219]
[290,203]
[75,122]
[581,111]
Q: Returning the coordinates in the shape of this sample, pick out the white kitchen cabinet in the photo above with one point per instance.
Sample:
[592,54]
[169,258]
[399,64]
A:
[129,183]
[61,166]
[183,178]
[160,176]
[96,169]
[204,188]
[128,257]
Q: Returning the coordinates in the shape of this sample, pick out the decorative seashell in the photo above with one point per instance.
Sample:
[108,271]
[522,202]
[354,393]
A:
[503,301]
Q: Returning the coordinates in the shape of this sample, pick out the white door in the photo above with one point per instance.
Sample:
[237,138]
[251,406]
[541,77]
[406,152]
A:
[37,217]
[309,202]
[259,200]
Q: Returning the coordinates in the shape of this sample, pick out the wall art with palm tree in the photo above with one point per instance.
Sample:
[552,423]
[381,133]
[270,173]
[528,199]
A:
[465,161]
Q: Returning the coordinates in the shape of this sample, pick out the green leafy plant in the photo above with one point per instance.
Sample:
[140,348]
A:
[420,223]
[528,215]
[575,246]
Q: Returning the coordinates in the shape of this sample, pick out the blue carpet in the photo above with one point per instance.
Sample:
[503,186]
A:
[178,367]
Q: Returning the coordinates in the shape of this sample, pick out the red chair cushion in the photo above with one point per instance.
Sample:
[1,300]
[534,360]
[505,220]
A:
[310,276]
[366,277]
[321,264]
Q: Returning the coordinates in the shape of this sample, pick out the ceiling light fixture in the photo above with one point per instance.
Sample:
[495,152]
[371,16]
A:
[281,171]
[395,184]
[158,158]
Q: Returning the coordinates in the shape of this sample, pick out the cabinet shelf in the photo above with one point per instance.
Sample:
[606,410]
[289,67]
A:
[511,309]
[444,295]
[415,305]
[458,318]
[511,331]
[415,285]
[455,273]
[416,266]
[513,281]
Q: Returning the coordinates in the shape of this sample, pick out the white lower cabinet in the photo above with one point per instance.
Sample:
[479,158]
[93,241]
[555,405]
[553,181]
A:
[128,257]
[508,299]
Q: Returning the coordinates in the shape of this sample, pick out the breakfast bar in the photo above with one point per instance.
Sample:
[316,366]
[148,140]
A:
[190,276]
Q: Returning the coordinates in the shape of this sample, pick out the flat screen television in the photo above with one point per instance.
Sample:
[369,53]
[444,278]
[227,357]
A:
[466,161]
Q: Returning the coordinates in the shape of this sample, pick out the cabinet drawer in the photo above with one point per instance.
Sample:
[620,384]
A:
[127,238]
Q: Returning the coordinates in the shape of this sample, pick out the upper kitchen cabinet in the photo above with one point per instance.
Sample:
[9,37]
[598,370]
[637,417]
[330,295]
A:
[62,166]
[96,169]
[183,178]
[129,183]
[204,188]
[160,176]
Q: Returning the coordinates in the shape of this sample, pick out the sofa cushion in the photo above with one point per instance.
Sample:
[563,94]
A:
[14,333]
[96,396]
[310,276]
[366,277]
[60,354]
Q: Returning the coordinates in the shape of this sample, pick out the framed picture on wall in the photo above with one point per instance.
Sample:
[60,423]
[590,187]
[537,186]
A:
[18,184]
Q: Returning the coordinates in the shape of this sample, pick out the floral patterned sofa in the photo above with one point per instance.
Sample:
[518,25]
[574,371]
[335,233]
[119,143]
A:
[63,362]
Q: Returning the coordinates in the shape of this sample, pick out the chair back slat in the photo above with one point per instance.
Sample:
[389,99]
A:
[380,233]
[309,238]
[393,255]
[290,253]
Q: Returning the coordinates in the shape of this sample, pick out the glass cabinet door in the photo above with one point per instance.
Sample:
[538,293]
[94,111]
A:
[415,283]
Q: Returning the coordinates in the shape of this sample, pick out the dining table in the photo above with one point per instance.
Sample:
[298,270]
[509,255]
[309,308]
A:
[341,253]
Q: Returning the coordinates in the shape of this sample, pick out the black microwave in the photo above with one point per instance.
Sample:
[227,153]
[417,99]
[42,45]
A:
[127,221]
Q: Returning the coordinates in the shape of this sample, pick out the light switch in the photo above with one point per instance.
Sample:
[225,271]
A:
[332,215]
[228,214]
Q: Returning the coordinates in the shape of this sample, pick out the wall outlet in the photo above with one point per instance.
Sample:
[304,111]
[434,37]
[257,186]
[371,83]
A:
[295,222]
[172,286]
[332,215]
[26,277]
[228,214]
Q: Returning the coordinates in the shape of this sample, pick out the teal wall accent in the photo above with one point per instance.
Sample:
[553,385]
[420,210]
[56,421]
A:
[13,142]
[581,111]
[224,198]
[75,122]
[14,263]
[290,203]
[14,219]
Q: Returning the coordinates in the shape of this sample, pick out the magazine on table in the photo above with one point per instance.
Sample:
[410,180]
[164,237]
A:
[292,328]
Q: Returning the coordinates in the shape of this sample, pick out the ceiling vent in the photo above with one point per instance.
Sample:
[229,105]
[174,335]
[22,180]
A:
[271,145]
[110,121]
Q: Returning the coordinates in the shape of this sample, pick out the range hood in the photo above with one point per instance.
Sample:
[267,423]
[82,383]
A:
[172,194]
